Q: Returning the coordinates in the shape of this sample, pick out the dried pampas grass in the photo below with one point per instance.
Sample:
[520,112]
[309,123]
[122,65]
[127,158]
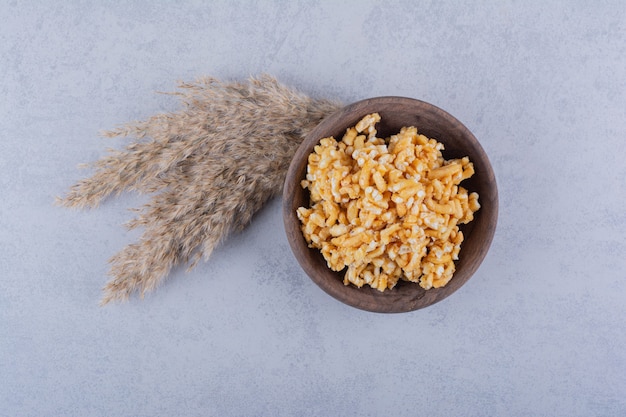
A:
[210,166]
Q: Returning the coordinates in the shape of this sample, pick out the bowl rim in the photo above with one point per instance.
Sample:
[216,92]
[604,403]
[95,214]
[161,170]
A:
[369,300]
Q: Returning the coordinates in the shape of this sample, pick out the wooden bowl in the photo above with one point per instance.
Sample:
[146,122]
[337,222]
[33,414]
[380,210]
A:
[433,122]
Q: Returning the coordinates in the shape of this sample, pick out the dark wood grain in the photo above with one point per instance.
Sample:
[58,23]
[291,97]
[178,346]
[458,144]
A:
[433,122]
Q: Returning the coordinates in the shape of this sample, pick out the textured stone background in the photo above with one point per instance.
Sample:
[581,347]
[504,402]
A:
[540,330]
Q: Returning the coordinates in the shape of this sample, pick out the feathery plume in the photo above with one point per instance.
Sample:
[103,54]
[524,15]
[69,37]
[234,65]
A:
[210,166]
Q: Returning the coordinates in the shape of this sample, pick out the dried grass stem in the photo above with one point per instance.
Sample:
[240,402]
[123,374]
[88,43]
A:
[210,167]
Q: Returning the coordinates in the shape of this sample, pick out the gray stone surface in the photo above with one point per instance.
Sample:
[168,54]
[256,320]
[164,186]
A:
[538,331]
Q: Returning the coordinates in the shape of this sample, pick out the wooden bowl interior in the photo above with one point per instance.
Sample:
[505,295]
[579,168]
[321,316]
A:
[396,112]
